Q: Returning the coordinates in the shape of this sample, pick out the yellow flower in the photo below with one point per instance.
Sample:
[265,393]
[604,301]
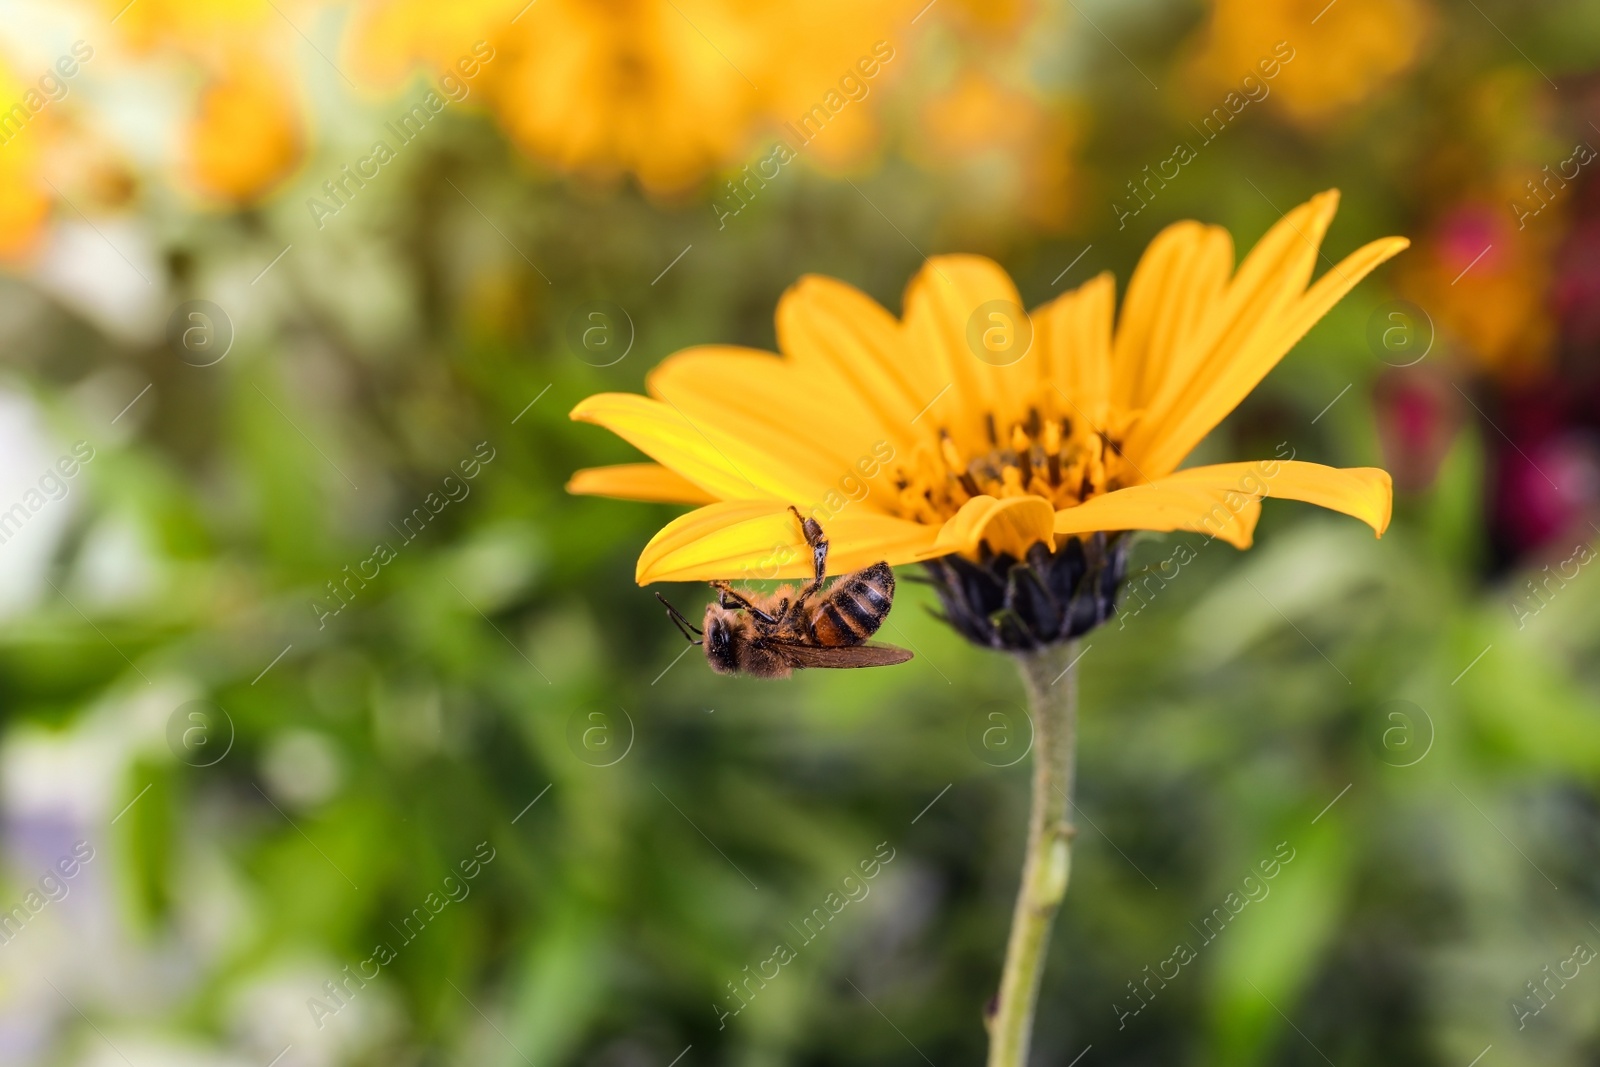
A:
[666,90]
[24,197]
[973,428]
[1009,150]
[246,136]
[48,154]
[1313,58]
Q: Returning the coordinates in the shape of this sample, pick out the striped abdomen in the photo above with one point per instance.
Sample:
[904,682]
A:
[853,607]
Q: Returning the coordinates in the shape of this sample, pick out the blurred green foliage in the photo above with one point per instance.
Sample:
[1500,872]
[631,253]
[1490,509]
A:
[1371,704]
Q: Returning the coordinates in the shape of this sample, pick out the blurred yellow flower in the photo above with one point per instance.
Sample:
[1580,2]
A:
[1346,49]
[665,90]
[206,28]
[49,153]
[246,136]
[1007,145]
[24,210]
[996,19]
[388,40]
[971,423]
[24,197]
[246,132]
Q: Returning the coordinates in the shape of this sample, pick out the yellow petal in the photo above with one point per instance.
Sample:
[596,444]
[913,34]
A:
[779,418]
[957,306]
[747,540]
[842,338]
[1165,506]
[1263,313]
[1073,345]
[696,449]
[638,481]
[1366,493]
[1010,525]
[1281,263]
[1244,311]
[1224,500]
[1332,287]
[1179,280]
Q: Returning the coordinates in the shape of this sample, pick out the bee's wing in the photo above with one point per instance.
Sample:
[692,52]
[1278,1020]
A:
[867,655]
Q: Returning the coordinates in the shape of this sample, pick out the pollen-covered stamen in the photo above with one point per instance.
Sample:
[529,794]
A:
[1050,439]
[959,466]
[1044,455]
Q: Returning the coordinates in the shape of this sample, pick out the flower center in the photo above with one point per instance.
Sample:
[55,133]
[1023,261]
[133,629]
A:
[1059,458]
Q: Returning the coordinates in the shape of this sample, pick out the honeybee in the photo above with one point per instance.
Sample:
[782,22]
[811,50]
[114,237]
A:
[770,636]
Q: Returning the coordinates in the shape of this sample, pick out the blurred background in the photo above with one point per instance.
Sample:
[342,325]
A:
[336,732]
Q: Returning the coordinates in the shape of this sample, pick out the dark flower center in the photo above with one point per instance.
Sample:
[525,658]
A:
[999,601]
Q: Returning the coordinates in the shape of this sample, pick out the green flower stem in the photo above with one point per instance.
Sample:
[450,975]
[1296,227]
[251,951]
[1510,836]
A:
[1053,704]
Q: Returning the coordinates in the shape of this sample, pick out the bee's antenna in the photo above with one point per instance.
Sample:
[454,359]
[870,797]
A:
[683,624]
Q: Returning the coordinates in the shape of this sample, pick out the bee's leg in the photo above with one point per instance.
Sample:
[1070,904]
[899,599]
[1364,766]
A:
[728,598]
[812,530]
[684,625]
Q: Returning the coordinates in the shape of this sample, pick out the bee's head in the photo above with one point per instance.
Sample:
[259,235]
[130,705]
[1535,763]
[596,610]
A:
[721,639]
